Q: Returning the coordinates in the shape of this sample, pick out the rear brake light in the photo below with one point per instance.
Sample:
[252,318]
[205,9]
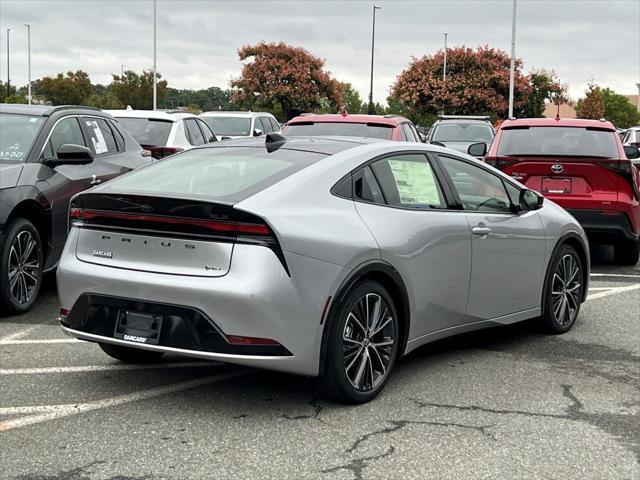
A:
[145,153]
[239,340]
[64,312]
[500,163]
[213,225]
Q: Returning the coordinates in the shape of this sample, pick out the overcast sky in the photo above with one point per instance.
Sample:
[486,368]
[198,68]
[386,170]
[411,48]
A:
[581,40]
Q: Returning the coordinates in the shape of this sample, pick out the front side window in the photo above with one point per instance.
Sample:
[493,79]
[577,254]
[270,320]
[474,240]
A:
[18,132]
[101,137]
[66,131]
[408,181]
[265,126]
[558,141]
[478,189]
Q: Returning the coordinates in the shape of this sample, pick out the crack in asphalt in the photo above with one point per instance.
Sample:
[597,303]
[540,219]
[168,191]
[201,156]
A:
[317,410]
[358,465]
[79,473]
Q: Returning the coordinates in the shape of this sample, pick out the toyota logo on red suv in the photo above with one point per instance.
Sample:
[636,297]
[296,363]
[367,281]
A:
[557,168]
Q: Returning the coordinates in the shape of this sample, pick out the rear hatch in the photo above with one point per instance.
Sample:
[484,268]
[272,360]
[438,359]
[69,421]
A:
[575,166]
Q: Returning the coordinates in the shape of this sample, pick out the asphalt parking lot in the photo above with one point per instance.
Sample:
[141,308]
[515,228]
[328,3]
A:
[503,403]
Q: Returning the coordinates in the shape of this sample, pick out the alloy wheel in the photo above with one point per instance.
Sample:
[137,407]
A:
[24,267]
[367,342]
[566,290]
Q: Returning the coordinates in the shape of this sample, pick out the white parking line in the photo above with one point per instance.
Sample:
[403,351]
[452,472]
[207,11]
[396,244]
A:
[39,341]
[29,410]
[613,291]
[67,410]
[103,368]
[622,275]
[20,334]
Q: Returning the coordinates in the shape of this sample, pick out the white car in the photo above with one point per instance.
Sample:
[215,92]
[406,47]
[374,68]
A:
[228,125]
[164,133]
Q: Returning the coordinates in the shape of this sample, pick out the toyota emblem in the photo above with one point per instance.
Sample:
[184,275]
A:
[557,168]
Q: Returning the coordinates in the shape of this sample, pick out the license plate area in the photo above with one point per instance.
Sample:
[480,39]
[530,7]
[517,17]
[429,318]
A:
[556,185]
[138,327]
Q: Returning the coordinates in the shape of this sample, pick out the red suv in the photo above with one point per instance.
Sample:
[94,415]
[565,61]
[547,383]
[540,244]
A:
[582,166]
[387,127]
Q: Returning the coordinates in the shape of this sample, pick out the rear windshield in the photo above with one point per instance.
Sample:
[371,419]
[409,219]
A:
[228,174]
[558,141]
[339,129]
[17,134]
[462,132]
[148,132]
[229,126]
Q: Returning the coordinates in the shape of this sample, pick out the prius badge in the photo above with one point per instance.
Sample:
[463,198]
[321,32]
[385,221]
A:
[102,254]
[557,168]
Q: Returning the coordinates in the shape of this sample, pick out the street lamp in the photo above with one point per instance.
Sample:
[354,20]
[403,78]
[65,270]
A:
[155,22]
[122,71]
[638,85]
[373,39]
[8,77]
[512,68]
[444,70]
[28,62]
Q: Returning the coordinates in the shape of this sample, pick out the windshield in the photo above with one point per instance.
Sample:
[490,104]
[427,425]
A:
[17,134]
[229,174]
[148,132]
[558,141]
[339,129]
[462,132]
[229,126]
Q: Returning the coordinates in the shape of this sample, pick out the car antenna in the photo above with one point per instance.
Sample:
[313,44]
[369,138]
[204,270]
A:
[273,141]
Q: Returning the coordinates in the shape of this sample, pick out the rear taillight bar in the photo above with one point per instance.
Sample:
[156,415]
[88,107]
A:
[219,226]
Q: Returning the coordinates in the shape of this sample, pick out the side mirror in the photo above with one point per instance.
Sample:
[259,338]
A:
[71,154]
[530,200]
[439,144]
[477,149]
[257,132]
[631,152]
[225,138]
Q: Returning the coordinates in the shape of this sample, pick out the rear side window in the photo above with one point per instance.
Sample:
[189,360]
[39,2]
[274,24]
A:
[120,143]
[411,137]
[228,174]
[274,124]
[265,125]
[101,137]
[558,141]
[209,136]
[148,132]
[339,129]
[194,135]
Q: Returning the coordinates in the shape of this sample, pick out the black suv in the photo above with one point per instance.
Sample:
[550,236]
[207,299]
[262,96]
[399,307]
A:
[47,155]
[460,132]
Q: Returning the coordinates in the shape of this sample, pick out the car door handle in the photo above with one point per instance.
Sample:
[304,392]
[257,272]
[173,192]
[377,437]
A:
[481,231]
[95,180]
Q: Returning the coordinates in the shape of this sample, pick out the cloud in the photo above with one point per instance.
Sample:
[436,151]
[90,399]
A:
[198,40]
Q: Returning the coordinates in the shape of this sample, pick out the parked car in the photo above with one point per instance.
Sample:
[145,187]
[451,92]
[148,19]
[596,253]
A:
[582,166]
[314,256]
[231,125]
[459,132]
[387,127]
[632,137]
[47,155]
[165,133]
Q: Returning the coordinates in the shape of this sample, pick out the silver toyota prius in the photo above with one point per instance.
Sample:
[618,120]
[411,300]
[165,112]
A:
[328,257]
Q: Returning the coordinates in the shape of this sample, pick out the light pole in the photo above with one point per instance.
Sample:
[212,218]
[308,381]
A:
[638,85]
[155,21]
[373,40]
[444,70]
[8,77]
[122,71]
[512,70]
[28,63]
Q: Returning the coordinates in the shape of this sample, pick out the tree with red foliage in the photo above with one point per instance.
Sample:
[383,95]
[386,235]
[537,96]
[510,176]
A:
[279,75]
[477,83]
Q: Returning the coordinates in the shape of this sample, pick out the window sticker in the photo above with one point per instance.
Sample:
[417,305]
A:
[415,182]
[99,143]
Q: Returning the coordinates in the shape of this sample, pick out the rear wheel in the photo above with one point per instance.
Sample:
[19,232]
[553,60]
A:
[362,344]
[627,252]
[563,295]
[130,355]
[20,266]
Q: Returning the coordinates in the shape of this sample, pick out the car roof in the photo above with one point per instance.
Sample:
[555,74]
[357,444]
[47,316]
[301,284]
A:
[325,145]
[560,122]
[155,114]
[391,120]
[42,110]
[227,113]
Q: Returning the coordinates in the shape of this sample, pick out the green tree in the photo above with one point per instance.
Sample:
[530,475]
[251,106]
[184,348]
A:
[351,99]
[137,89]
[544,86]
[618,109]
[592,105]
[71,89]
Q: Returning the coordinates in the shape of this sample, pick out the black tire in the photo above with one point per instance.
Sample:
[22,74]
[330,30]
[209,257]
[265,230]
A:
[565,268]
[18,294]
[347,343]
[627,252]
[130,355]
